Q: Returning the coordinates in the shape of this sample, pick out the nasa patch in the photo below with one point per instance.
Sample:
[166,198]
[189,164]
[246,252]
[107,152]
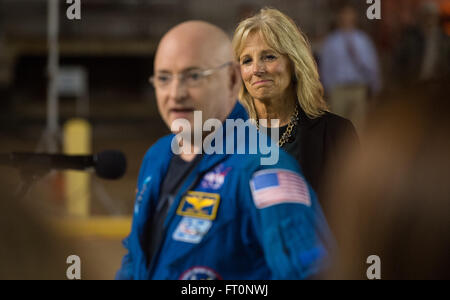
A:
[191,230]
[215,179]
[200,273]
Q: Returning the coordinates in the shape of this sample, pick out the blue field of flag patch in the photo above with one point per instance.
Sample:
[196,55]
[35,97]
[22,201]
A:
[265,180]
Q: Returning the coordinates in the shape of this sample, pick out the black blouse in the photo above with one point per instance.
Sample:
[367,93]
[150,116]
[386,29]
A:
[318,143]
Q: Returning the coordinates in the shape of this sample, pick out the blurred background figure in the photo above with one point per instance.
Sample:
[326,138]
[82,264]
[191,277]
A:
[393,199]
[423,52]
[349,67]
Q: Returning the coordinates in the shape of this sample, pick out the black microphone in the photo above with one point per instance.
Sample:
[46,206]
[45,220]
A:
[109,164]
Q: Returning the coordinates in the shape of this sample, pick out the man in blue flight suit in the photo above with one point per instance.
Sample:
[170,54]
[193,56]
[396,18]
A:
[219,215]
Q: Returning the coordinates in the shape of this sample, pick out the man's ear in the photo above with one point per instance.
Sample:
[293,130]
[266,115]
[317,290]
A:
[235,78]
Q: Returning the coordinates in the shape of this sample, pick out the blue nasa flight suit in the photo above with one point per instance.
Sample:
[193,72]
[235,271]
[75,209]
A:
[214,229]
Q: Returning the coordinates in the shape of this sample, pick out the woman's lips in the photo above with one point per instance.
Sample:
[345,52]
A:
[261,82]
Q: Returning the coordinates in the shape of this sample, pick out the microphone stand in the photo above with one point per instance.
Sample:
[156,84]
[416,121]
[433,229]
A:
[28,177]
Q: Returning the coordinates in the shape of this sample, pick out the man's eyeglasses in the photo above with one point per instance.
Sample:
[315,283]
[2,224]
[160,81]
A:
[191,78]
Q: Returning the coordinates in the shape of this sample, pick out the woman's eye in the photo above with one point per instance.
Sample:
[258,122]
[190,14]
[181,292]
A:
[246,61]
[270,57]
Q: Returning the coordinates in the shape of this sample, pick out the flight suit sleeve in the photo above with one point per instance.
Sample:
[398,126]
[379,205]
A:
[126,270]
[289,223]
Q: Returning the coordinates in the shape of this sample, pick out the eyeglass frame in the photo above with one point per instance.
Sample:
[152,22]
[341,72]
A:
[182,76]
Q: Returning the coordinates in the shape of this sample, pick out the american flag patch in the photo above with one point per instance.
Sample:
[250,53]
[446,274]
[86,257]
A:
[277,186]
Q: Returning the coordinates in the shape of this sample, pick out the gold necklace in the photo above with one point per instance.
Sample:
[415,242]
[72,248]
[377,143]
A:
[287,134]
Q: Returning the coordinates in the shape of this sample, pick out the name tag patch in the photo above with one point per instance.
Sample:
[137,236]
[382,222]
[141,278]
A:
[191,230]
[199,205]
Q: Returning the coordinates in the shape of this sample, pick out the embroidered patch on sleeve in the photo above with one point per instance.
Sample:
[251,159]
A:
[277,186]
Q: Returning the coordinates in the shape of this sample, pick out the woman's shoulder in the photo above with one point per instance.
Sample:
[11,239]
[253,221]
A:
[330,117]
[326,118]
[339,127]
[333,124]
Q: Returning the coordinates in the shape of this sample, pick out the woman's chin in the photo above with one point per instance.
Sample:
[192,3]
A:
[263,97]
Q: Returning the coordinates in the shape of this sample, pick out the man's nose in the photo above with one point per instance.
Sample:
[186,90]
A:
[177,89]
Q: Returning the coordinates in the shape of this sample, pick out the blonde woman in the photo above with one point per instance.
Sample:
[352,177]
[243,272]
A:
[281,81]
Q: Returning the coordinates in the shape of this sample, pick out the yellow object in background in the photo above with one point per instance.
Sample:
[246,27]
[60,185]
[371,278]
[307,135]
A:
[94,227]
[77,141]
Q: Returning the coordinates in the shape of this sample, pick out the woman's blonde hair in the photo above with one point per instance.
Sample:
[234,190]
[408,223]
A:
[282,34]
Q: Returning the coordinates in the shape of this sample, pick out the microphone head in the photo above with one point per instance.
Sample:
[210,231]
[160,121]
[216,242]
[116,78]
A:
[110,164]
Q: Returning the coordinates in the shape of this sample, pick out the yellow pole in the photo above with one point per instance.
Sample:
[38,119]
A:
[77,141]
